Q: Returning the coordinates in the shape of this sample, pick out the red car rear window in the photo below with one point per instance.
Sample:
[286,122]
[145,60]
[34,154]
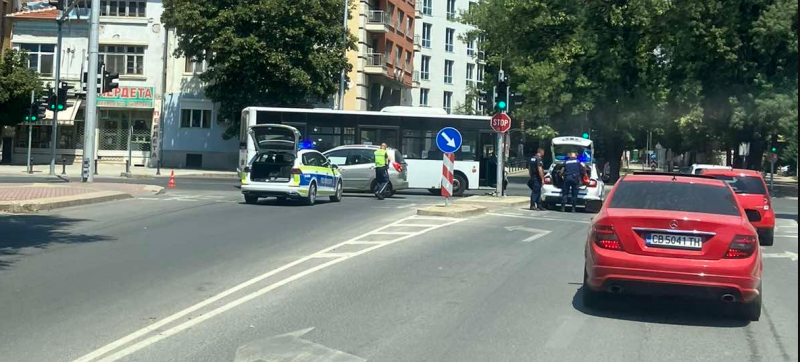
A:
[744,184]
[674,196]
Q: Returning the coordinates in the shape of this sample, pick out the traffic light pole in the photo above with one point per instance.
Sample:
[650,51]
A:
[90,126]
[344,75]
[30,133]
[54,142]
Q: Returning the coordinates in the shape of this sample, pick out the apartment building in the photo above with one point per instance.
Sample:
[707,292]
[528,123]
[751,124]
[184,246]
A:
[446,68]
[383,65]
[131,44]
[6,7]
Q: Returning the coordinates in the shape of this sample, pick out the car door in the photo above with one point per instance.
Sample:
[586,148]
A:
[339,158]
[319,166]
[361,168]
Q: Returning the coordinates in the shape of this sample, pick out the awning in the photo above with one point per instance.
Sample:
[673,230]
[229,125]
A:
[65,117]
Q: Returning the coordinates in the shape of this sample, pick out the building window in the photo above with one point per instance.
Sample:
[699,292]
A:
[40,57]
[408,61]
[480,73]
[390,12]
[424,93]
[124,8]
[448,102]
[425,72]
[471,48]
[427,7]
[194,66]
[472,6]
[470,73]
[451,9]
[448,71]
[410,27]
[426,35]
[195,118]
[397,55]
[401,16]
[449,38]
[123,59]
[388,52]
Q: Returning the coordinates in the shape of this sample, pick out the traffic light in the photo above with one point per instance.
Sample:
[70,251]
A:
[59,4]
[51,100]
[110,81]
[774,149]
[501,99]
[585,135]
[36,112]
[63,95]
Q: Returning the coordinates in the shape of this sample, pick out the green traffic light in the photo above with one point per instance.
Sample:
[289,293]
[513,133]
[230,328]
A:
[501,105]
[52,106]
[33,118]
[60,107]
[586,135]
[774,149]
[27,118]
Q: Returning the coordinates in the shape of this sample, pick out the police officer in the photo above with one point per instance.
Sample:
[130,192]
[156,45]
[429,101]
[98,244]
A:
[381,170]
[536,171]
[574,171]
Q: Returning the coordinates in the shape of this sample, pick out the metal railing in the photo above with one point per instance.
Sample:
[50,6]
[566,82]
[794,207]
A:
[418,40]
[379,17]
[416,76]
[376,60]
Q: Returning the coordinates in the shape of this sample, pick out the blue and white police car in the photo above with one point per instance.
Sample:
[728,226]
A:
[591,192]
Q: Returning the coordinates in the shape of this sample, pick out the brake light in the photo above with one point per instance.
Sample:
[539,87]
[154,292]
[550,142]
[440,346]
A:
[398,167]
[767,203]
[592,183]
[742,247]
[606,237]
[548,180]
[296,171]
[585,180]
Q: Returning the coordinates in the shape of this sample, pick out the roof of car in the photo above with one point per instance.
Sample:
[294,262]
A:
[733,172]
[689,179]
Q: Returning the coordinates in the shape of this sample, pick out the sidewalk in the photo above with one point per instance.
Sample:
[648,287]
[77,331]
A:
[111,170]
[34,197]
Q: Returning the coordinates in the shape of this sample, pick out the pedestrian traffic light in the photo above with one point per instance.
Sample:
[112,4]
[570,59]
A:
[110,81]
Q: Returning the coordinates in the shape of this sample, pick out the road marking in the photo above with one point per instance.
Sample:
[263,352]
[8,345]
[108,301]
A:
[291,347]
[393,233]
[539,232]
[565,333]
[540,218]
[163,334]
[785,255]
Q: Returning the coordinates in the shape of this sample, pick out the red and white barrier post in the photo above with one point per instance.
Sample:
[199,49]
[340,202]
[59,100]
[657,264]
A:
[448,162]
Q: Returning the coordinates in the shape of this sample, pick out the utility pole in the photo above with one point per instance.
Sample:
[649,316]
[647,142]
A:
[344,43]
[90,126]
[30,133]
[54,145]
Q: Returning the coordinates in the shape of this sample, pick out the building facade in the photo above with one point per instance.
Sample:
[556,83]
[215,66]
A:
[383,65]
[447,67]
[131,44]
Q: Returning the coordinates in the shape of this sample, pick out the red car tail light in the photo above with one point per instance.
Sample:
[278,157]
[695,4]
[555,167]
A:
[606,237]
[398,167]
[742,247]
[296,171]
[548,180]
[592,183]
[767,203]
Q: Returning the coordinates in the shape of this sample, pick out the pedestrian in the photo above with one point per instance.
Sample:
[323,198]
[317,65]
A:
[573,171]
[381,170]
[536,172]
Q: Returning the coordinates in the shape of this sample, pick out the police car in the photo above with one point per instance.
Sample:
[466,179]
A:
[591,192]
[280,169]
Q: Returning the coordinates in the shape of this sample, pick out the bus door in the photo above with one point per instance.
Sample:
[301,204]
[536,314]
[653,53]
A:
[487,158]
[375,135]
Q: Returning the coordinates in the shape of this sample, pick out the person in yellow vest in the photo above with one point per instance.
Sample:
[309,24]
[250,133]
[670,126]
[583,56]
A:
[381,170]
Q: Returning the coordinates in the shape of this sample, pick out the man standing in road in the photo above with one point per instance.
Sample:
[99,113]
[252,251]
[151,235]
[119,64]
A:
[381,170]
[536,171]
[573,174]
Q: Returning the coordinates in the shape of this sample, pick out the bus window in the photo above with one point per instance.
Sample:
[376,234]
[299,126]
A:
[326,138]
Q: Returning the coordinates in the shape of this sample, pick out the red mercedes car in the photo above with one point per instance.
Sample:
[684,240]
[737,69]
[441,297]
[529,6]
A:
[751,190]
[662,234]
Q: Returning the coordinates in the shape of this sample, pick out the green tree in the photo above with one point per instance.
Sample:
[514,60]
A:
[16,83]
[467,108]
[262,52]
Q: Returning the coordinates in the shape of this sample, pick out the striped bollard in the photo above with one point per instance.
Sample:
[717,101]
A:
[448,162]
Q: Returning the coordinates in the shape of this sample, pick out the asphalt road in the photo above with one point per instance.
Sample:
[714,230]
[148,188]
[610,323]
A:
[196,275]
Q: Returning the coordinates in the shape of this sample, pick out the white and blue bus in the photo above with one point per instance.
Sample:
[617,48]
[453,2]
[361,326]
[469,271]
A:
[411,130]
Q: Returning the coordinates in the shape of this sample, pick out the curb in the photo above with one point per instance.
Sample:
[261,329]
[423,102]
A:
[459,211]
[507,201]
[135,176]
[32,206]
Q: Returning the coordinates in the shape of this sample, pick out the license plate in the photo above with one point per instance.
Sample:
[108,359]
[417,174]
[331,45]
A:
[674,241]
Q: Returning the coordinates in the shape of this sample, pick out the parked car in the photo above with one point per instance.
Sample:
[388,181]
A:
[753,194]
[357,165]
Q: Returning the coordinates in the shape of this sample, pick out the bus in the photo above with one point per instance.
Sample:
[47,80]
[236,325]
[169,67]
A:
[408,129]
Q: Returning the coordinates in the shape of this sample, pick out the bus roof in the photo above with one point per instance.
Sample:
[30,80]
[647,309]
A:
[409,113]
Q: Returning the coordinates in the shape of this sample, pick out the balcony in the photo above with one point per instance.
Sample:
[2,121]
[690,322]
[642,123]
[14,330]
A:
[415,79]
[379,21]
[417,43]
[418,10]
[376,64]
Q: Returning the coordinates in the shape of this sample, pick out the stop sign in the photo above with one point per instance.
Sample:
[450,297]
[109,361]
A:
[501,122]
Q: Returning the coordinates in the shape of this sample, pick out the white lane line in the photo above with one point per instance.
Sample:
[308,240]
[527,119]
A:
[149,198]
[359,242]
[565,333]
[94,355]
[435,218]
[392,233]
[419,225]
[334,255]
[540,218]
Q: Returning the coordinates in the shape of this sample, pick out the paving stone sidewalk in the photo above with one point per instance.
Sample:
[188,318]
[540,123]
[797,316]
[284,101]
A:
[33,197]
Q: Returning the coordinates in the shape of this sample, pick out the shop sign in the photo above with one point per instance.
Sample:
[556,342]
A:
[127,97]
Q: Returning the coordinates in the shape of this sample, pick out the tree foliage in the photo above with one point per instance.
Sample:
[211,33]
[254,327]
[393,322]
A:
[16,83]
[698,73]
[262,52]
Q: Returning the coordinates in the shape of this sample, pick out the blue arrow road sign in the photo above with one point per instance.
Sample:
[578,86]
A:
[448,140]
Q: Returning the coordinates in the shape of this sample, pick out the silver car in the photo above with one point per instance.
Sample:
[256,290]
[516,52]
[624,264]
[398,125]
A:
[357,165]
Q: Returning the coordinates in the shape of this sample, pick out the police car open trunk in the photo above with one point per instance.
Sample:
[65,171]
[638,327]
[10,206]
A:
[277,152]
[561,147]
